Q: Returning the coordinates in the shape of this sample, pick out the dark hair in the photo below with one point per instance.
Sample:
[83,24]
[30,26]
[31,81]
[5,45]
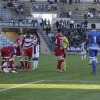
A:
[20,34]
[28,32]
[93,26]
[59,30]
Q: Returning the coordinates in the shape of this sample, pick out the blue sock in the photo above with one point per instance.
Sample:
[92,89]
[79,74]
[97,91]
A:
[94,67]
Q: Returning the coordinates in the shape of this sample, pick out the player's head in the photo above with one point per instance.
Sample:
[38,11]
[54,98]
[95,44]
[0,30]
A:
[28,32]
[20,34]
[93,26]
[59,30]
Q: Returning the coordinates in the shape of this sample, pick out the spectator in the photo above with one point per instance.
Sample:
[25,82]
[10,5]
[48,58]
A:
[98,2]
[76,10]
[94,2]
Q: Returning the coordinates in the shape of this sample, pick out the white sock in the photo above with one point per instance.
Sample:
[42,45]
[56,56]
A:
[96,60]
[82,57]
[36,63]
[90,61]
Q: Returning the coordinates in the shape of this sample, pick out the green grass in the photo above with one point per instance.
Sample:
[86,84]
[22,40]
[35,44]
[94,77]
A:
[45,84]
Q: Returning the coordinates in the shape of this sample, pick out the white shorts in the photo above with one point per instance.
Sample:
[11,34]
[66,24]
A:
[35,53]
[83,52]
[7,70]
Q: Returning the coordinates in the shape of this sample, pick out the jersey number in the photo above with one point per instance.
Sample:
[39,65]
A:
[94,39]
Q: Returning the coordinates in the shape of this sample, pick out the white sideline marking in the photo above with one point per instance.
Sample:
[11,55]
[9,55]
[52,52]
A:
[21,85]
[81,81]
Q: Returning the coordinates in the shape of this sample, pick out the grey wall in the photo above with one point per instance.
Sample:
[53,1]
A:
[58,0]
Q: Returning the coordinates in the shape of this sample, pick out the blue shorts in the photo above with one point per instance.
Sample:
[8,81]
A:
[92,53]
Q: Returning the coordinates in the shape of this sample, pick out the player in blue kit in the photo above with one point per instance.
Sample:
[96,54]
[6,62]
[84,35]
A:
[93,39]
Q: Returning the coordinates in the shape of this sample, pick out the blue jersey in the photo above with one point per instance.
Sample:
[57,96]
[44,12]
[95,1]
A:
[93,39]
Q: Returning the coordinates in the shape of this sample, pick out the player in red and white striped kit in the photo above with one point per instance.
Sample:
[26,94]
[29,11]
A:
[35,54]
[18,47]
[27,43]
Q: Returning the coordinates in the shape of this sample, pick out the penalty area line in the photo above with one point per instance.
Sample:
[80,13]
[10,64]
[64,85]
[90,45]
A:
[21,85]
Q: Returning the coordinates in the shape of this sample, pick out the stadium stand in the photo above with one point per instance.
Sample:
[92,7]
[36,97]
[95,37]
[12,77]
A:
[75,27]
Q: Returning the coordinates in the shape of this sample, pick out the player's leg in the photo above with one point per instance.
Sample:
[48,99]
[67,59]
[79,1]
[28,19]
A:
[26,63]
[84,54]
[64,66]
[92,55]
[34,63]
[2,57]
[33,60]
[37,56]
[96,60]
[11,65]
[29,63]
[19,55]
[25,59]
[22,62]
[29,58]
[60,60]
[2,62]
[90,61]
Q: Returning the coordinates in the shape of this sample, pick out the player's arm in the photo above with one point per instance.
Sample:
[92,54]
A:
[86,45]
[61,42]
[23,40]
[66,41]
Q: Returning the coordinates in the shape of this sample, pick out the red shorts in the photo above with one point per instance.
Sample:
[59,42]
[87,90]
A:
[19,54]
[58,52]
[28,52]
[5,53]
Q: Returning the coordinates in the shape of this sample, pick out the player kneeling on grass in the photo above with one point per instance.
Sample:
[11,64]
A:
[5,68]
[8,55]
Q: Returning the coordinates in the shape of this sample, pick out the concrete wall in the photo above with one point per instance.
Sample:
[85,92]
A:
[97,25]
[10,36]
[43,47]
[58,0]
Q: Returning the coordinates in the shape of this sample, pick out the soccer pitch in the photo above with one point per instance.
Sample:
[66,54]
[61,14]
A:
[44,83]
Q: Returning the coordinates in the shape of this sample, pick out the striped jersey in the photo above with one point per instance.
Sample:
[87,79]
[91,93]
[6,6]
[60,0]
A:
[28,41]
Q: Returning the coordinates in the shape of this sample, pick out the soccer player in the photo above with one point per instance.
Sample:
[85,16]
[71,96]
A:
[27,43]
[59,53]
[18,47]
[93,39]
[65,46]
[35,53]
[8,55]
[83,51]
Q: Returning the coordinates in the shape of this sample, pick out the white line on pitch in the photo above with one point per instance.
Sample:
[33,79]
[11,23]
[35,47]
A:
[81,81]
[21,85]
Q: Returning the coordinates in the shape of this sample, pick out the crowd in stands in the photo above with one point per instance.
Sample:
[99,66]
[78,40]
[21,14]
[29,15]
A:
[74,32]
[66,14]
[90,13]
[43,7]
[96,2]
[17,8]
